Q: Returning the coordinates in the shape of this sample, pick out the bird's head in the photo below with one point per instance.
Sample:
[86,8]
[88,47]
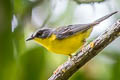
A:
[44,33]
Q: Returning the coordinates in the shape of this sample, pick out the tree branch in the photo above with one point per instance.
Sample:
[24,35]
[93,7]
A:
[67,69]
[88,1]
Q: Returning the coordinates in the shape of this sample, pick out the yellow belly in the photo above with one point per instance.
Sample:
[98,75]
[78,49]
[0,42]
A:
[65,46]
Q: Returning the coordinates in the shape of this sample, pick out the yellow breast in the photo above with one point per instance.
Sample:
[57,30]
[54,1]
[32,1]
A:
[65,46]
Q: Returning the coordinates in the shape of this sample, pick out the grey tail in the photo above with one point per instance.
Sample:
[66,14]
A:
[103,18]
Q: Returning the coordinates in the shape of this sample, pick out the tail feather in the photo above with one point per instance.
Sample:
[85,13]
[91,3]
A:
[104,18]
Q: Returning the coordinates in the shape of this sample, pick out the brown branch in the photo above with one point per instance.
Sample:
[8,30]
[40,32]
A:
[88,1]
[71,66]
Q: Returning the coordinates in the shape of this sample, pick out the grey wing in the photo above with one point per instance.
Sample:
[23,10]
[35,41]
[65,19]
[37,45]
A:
[69,30]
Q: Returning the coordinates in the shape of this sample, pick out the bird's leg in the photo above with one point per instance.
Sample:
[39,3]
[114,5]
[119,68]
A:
[70,56]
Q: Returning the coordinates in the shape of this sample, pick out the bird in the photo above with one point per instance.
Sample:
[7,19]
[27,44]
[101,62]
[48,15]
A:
[66,40]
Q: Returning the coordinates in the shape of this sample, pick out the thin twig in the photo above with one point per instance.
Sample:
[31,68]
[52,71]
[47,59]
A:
[88,1]
[71,66]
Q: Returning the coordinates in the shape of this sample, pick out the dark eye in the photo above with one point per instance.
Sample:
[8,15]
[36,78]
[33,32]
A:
[39,34]
[43,33]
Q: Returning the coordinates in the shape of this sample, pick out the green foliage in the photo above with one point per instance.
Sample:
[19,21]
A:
[33,64]
[7,63]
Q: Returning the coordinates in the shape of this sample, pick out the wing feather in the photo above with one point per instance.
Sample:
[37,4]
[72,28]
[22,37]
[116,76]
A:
[67,31]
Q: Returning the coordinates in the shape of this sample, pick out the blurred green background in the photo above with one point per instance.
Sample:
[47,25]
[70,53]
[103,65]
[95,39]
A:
[21,60]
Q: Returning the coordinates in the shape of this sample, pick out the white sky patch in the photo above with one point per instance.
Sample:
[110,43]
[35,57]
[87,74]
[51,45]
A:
[14,23]
[37,19]
[83,14]
[58,8]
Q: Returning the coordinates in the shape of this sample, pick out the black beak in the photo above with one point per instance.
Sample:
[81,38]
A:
[31,38]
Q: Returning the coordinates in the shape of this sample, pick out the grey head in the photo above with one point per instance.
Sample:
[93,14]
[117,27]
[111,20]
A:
[42,33]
